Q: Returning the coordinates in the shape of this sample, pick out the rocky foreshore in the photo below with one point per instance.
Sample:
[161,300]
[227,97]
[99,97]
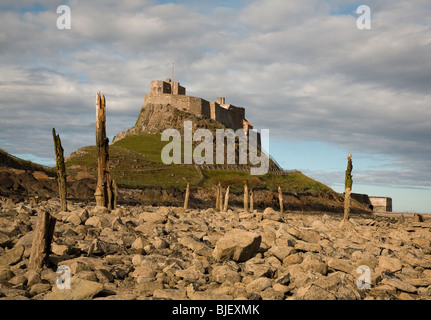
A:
[142,252]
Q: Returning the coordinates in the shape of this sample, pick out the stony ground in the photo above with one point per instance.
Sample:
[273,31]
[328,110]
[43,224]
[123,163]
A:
[138,252]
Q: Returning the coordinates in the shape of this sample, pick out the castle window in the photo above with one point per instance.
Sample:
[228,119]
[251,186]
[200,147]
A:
[160,89]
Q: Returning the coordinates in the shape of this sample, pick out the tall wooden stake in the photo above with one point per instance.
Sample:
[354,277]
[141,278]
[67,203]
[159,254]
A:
[245,198]
[226,199]
[42,238]
[348,187]
[220,190]
[103,193]
[186,200]
[280,199]
[114,191]
[217,206]
[251,201]
[61,170]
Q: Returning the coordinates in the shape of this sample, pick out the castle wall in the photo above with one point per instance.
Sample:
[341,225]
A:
[194,105]
[231,116]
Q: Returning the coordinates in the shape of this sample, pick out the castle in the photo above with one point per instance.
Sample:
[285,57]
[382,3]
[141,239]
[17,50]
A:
[170,92]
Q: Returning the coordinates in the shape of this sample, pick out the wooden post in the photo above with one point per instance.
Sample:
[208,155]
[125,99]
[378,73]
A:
[348,187]
[109,192]
[245,198]
[103,187]
[280,199]
[186,200]
[217,206]
[61,170]
[220,190]
[251,201]
[114,190]
[42,237]
[226,199]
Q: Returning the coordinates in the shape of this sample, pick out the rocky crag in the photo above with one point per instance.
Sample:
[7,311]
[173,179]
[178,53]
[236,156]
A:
[141,252]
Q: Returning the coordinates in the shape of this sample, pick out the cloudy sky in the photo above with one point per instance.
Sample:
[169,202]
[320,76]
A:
[302,69]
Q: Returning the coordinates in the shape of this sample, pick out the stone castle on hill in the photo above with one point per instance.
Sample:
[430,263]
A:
[170,92]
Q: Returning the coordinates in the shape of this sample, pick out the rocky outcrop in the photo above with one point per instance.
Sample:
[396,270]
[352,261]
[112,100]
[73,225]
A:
[21,183]
[141,252]
[155,118]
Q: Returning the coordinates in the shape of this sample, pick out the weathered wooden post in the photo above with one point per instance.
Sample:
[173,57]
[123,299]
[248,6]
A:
[348,187]
[108,192]
[103,193]
[251,201]
[280,199]
[226,199]
[61,170]
[245,198]
[186,199]
[114,190]
[42,238]
[220,190]
[217,206]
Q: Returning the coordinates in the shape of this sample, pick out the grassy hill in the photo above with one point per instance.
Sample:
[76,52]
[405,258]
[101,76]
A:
[10,161]
[135,161]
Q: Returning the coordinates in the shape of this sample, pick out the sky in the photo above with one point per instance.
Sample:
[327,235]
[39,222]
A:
[302,69]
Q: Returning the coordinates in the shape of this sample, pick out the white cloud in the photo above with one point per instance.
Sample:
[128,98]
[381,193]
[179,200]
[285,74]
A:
[299,70]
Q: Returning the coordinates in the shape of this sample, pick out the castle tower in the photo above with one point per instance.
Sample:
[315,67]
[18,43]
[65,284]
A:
[220,100]
[167,86]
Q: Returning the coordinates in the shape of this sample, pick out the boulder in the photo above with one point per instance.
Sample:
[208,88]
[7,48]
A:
[153,217]
[314,263]
[271,214]
[258,285]
[238,245]
[170,294]
[305,246]
[281,252]
[224,273]
[341,265]
[314,292]
[98,222]
[399,284]
[80,289]
[13,256]
[293,259]
[147,288]
[390,264]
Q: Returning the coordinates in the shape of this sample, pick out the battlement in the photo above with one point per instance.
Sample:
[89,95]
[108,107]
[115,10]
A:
[168,92]
[168,86]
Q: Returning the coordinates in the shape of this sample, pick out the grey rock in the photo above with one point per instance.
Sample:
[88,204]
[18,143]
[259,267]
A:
[80,290]
[238,245]
[314,292]
[258,285]
[13,256]
[170,294]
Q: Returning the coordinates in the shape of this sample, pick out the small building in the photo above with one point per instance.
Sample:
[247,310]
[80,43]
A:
[362,198]
[381,204]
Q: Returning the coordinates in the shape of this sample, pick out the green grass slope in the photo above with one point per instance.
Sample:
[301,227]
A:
[135,161]
[10,161]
